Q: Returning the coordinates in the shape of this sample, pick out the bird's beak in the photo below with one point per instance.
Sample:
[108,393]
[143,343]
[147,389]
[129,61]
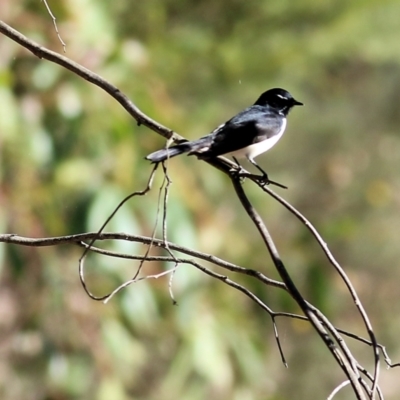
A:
[297,103]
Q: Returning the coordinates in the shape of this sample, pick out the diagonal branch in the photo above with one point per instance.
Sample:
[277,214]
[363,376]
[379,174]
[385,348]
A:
[344,362]
[91,77]
[341,273]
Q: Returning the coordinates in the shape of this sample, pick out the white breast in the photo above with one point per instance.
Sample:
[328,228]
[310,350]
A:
[256,149]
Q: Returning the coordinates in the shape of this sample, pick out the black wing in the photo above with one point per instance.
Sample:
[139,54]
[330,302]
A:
[252,125]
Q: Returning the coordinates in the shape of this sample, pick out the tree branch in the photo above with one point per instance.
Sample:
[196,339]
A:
[328,333]
[344,362]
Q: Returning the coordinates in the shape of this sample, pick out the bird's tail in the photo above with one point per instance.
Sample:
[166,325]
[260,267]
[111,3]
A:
[180,148]
[163,154]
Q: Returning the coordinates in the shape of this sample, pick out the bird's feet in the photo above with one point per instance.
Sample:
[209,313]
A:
[264,181]
[239,173]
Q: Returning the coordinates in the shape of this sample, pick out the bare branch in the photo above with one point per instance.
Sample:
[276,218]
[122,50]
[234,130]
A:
[78,238]
[342,274]
[292,289]
[337,390]
[207,271]
[90,76]
[278,342]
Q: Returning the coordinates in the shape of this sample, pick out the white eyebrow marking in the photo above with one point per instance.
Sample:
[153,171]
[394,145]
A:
[282,97]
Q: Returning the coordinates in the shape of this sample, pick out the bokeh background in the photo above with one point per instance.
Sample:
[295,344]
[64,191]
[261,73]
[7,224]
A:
[69,153]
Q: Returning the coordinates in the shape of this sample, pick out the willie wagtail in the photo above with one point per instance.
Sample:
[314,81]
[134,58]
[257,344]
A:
[248,134]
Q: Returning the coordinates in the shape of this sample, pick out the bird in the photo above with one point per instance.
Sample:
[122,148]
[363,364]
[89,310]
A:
[248,134]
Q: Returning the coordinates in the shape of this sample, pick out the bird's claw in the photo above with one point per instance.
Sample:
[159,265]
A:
[238,173]
[263,180]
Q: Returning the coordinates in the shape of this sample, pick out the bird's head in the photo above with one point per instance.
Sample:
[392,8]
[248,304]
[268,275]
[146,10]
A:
[279,99]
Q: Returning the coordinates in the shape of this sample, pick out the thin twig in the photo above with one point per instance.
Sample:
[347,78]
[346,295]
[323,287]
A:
[82,258]
[55,25]
[153,235]
[337,389]
[278,342]
[200,267]
[167,185]
[135,280]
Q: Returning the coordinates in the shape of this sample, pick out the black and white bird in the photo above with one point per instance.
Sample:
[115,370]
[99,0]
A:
[248,134]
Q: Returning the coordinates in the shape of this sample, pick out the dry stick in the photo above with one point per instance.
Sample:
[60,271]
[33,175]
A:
[88,75]
[359,339]
[371,378]
[153,235]
[342,274]
[164,188]
[278,342]
[345,383]
[143,258]
[164,229]
[342,344]
[165,203]
[213,274]
[78,240]
[342,361]
[135,280]
[81,260]
[209,272]
[55,25]
[164,185]
[337,389]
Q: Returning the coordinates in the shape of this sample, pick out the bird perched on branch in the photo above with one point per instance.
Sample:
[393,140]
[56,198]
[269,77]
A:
[248,134]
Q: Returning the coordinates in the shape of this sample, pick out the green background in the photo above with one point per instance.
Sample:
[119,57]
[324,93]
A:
[70,153]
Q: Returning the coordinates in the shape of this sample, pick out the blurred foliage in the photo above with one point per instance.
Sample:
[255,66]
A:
[69,153]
